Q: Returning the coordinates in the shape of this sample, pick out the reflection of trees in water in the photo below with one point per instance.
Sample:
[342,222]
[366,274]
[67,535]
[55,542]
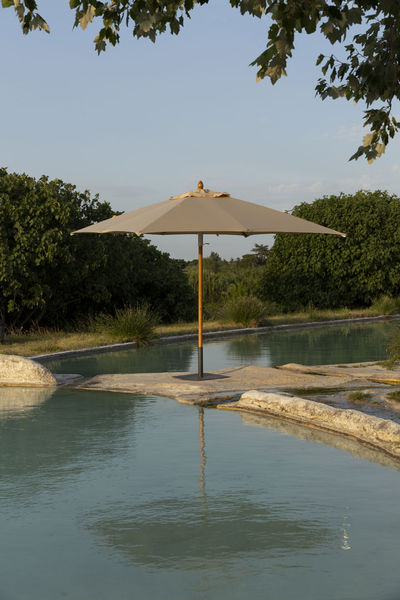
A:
[331,344]
[149,359]
[247,348]
[61,436]
[315,345]
[173,531]
[329,439]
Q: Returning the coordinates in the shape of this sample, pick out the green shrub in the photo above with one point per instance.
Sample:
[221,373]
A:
[386,305]
[130,324]
[50,278]
[247,311]
[332,272]
[359,396]
[394,396]
[213,311]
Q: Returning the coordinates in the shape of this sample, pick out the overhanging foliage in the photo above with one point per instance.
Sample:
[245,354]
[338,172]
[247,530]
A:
[366,33]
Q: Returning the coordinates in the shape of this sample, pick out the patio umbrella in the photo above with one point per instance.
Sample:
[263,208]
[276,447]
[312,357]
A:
[205,212]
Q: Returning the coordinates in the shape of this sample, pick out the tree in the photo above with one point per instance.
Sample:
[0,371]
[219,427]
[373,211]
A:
[366,32]
[261,253]
[51,277]
[332,272]
[213,262]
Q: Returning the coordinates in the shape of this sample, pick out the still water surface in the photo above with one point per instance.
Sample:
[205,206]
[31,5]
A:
[110,496]
[313,346]
[116,496]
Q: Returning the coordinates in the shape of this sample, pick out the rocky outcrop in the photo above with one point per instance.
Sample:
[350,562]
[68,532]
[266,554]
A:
[376,432]
[371,371]
[17,370]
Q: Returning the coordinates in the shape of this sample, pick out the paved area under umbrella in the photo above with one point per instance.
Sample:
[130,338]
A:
[234,382]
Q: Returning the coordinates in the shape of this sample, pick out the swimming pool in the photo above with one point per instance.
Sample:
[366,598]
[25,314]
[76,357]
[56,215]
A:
[317,345]
[117,496]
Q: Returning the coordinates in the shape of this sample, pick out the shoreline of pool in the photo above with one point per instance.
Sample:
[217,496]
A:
[264,391]
[186,337]
[379,434]
[235,399]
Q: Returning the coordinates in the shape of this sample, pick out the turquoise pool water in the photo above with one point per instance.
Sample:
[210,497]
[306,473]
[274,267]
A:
[111,496]
[117,496]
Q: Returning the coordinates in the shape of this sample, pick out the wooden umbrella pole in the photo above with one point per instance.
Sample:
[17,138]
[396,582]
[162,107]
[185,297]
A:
[200,283]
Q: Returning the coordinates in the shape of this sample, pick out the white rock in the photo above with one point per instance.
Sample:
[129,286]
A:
[17,370]
[380,433]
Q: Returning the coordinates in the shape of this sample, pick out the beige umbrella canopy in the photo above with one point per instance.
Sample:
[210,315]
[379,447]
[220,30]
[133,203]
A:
[205,212]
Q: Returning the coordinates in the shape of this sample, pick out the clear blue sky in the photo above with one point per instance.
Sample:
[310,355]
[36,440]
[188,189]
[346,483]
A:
[146,121]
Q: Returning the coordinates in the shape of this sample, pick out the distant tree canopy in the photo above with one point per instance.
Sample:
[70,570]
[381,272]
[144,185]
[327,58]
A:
[48,276]
[331,272]
[225,280]
[365,67]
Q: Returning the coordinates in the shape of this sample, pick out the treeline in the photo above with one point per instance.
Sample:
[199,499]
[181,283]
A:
[51,278]
[224,280]
[327,271]
[317,271]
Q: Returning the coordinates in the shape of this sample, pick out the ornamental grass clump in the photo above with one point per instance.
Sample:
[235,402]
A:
[130,324]
[386,305]
[248,311]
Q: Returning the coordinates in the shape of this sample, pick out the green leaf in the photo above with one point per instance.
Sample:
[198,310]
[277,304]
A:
[30,5]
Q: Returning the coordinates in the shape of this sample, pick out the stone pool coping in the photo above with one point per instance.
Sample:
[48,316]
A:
[377,433]
[370,371]
[232,382]
[173,339]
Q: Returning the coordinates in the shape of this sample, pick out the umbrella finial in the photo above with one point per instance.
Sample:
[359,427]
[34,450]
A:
[200,185]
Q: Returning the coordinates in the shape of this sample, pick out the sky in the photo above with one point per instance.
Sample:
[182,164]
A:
[143,121]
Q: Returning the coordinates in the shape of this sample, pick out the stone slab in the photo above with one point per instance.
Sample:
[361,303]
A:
[68,379]
[374,431]
[236,381]
[370,371]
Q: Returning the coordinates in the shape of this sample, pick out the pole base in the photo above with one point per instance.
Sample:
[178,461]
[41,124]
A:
[197,377]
